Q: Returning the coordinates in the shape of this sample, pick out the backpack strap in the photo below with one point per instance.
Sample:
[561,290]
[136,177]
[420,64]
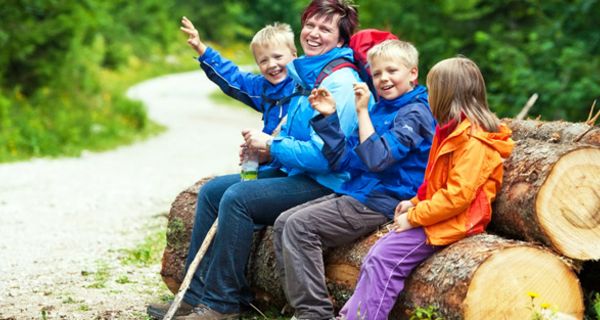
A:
[269,103]
[333,66]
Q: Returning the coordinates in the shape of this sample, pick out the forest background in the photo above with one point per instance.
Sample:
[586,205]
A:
[65,65]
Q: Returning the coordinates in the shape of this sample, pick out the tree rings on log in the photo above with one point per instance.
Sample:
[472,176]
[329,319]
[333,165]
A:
[488,277]
[551,194]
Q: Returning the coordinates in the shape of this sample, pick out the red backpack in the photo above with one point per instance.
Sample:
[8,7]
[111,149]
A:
[360,43]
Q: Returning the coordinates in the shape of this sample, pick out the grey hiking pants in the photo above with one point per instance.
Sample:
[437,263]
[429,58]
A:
[301,233]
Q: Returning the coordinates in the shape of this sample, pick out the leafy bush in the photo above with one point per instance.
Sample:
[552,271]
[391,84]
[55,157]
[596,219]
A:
[54,99]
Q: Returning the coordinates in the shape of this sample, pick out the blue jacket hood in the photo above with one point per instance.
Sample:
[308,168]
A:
[305,70]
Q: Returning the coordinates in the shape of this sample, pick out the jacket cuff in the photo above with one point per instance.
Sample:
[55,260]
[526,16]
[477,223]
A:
[414,200]
[209,54]
[410,216]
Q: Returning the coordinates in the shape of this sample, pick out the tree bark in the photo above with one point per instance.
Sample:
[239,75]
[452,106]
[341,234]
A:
[553,131]
[179,231]
[551,194]
[516,265]
[488,277]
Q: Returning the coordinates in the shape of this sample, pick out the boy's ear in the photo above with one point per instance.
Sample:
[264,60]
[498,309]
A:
[413,74]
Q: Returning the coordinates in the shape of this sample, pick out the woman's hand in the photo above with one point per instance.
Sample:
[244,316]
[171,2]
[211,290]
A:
[193,36]
[256,139]
[361,97]
[322,101]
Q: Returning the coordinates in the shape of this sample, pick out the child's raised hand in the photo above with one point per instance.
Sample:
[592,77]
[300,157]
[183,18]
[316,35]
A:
[321,100]
[193,36]
[361,96]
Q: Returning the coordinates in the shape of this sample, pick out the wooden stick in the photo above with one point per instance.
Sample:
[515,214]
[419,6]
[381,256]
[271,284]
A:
[190,273]
[527,106]
[591,112]
[591,120]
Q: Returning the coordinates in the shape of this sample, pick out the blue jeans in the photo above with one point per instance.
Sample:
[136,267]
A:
[220,281]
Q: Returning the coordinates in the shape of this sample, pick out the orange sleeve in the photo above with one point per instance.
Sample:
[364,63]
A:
[464,178]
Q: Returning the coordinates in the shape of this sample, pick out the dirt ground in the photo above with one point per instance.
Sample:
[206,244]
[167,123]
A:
[64,222]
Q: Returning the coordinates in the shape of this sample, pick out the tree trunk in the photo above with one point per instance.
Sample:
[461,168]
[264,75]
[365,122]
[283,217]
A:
[179,231]
[485,258]
[488,277]
[554,131]
[551,194]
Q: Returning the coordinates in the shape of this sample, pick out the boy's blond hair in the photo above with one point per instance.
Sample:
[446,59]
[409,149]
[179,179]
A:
[274,34]
[395,49]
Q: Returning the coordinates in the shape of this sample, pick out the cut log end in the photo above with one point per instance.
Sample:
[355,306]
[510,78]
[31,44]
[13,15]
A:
[569,204]
[509,275]
[488,277]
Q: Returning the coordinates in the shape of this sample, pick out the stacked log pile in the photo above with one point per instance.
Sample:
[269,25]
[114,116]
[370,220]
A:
[549,203]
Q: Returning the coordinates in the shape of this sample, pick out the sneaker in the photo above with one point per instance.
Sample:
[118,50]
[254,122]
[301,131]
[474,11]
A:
[159,310]
[206,313]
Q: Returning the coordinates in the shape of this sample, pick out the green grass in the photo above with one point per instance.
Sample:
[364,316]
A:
[150,250]
[100,276]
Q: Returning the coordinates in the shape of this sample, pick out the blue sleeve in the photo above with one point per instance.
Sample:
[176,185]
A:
[410,128]
[335,149]
[306,155]
[245,87]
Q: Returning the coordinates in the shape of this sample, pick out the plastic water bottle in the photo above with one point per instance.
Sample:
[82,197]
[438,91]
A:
[249,165]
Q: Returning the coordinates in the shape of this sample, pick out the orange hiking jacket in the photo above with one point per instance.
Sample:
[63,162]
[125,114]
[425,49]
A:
[463,175]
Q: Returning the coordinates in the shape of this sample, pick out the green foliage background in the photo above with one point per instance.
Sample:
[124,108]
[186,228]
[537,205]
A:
[64,69]
[522,46]
[65,65]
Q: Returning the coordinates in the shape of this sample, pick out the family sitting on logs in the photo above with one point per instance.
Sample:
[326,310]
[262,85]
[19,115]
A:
[429,161]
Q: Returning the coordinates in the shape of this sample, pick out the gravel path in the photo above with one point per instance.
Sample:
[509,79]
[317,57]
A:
[60,217]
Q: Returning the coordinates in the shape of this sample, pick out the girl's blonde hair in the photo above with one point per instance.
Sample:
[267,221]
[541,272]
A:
[395,49]
[274,34]
[456,87]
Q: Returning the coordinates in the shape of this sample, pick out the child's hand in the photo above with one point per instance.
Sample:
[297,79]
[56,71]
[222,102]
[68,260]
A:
[322,101]
[361,97]
[256,139]
[403,207]
[401,223]
[193,36]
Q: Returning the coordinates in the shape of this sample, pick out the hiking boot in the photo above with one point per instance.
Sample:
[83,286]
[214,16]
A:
[159,310]
[206,313]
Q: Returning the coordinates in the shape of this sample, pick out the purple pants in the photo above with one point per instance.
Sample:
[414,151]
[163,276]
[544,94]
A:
[383,272]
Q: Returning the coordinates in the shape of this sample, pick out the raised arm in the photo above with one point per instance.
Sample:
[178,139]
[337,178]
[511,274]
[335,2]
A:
[245,87]
[412,124]
[304,153]
[326,124]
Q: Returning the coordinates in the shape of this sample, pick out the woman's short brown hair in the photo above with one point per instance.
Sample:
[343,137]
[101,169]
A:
[347,11]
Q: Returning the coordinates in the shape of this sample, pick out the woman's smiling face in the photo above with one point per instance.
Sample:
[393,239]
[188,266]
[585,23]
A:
[320,34]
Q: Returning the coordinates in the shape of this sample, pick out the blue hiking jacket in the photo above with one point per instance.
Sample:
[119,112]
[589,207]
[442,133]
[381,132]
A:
[251,89]
[389,166]
[298,148]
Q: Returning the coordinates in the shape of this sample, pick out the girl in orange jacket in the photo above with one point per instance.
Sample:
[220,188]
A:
[463,175]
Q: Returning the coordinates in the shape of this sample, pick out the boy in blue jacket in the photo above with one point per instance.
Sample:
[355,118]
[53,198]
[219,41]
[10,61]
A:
[268,93]
[386,158]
